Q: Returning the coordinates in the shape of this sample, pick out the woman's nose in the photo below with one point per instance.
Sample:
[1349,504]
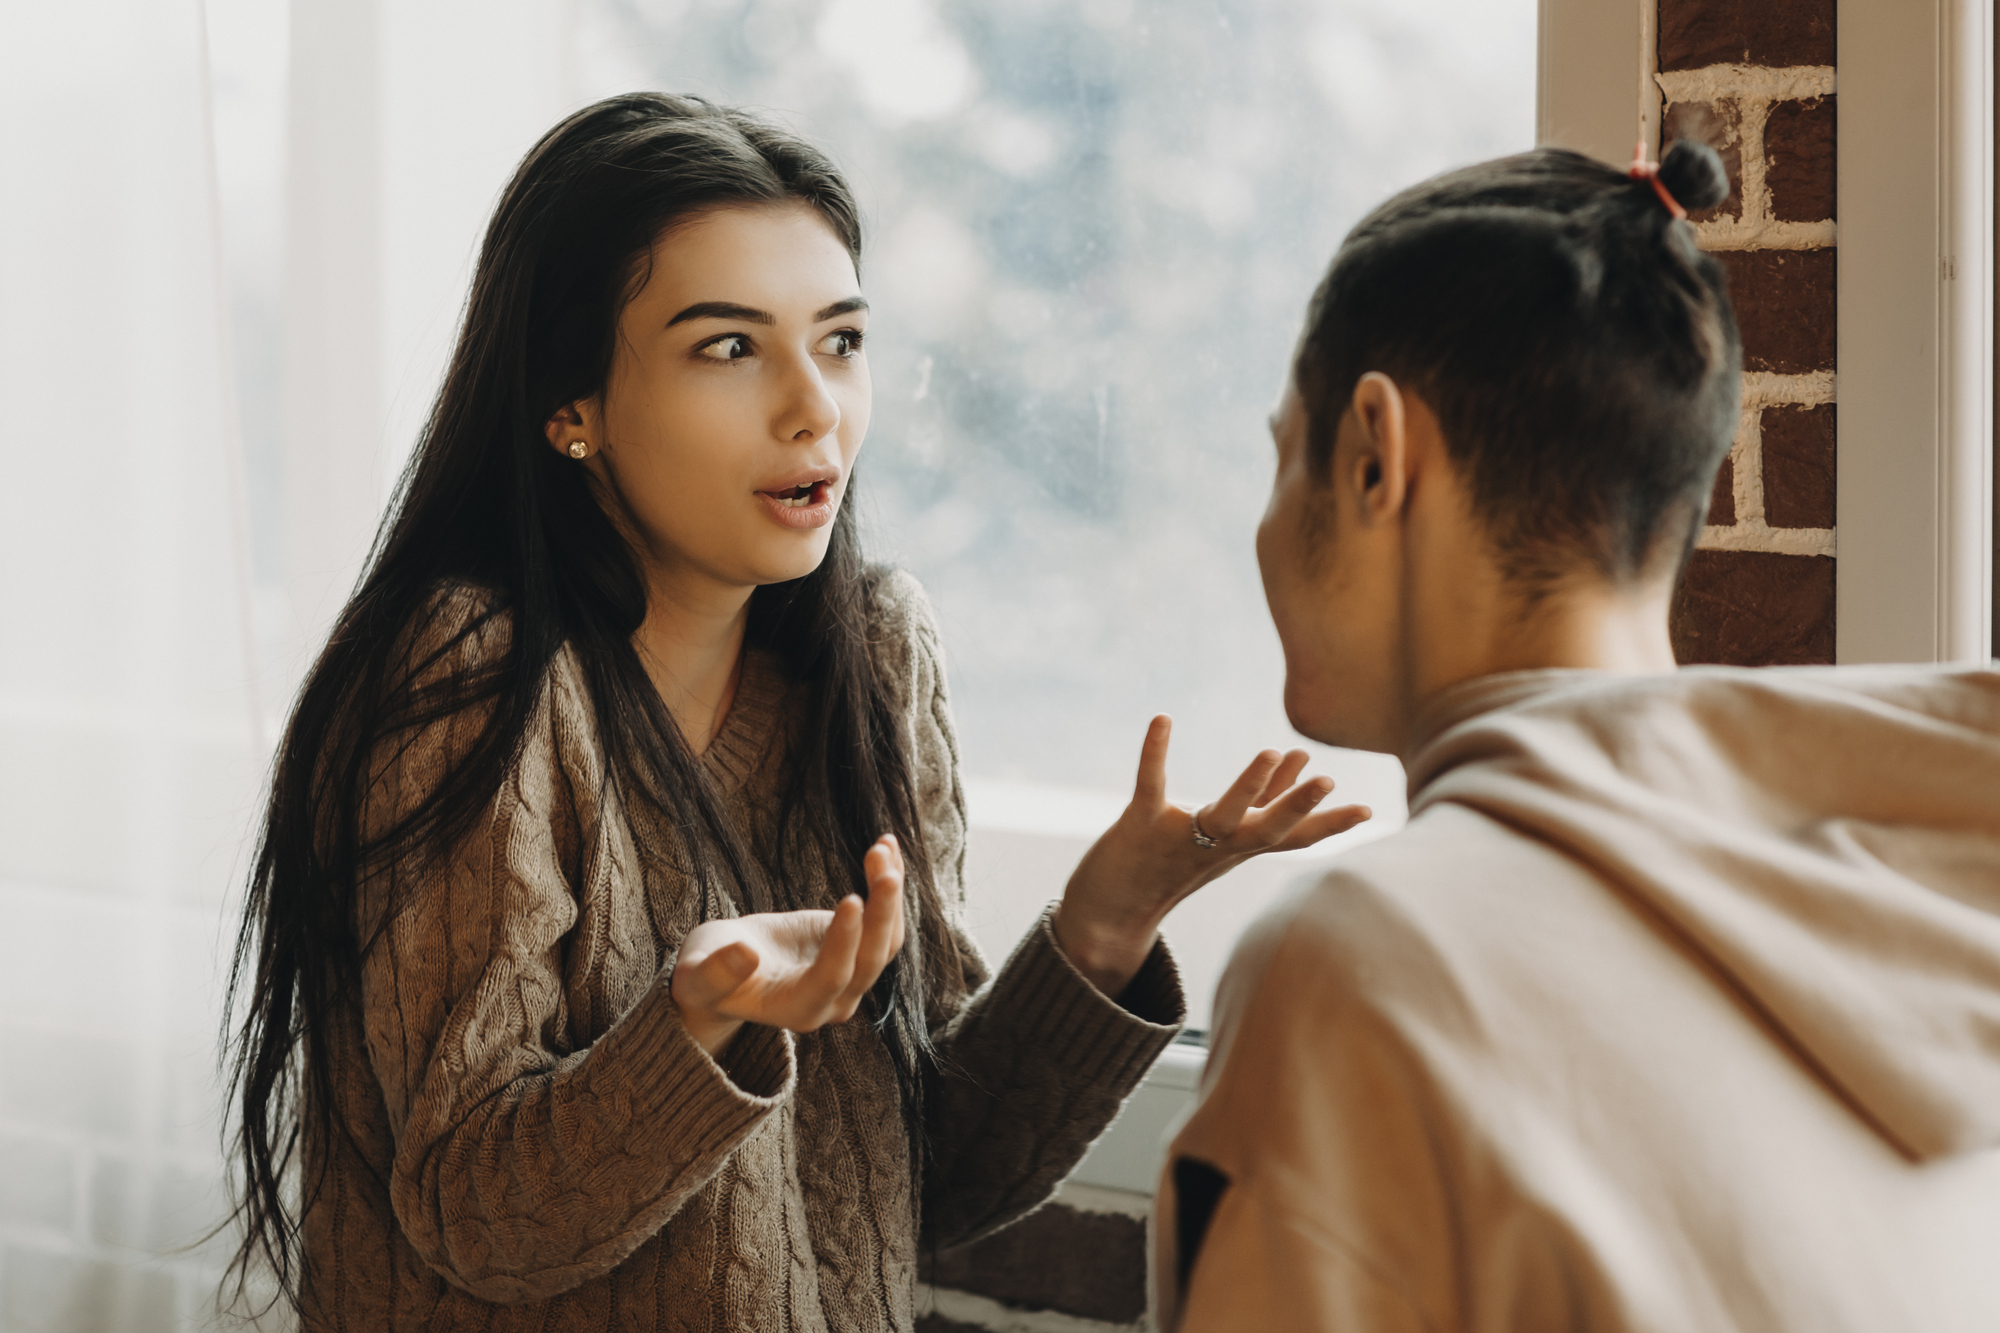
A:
[809,412]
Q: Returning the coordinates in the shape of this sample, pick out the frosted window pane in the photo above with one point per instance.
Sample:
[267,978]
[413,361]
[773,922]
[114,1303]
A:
[1094,226]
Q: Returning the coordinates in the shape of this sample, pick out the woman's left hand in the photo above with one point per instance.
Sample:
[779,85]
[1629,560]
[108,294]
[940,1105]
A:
[1148,861]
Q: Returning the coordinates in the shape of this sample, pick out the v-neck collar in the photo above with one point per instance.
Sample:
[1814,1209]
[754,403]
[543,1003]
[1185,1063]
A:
[747,729]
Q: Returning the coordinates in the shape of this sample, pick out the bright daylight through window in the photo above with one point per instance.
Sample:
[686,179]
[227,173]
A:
[1092,227]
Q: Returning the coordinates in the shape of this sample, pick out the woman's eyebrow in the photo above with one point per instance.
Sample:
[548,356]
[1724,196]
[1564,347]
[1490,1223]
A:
[839,308]
[751,315]
[723,310]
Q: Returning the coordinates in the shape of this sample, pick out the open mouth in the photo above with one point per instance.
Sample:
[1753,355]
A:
[798,497]
[806,505]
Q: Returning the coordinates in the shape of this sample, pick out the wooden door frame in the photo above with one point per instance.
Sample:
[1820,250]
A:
[1916,267]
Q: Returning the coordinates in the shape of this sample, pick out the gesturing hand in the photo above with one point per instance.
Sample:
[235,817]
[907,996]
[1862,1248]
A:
[1148,861]
[796,970]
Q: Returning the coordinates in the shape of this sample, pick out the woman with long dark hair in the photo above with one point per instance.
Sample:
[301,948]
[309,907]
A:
[623,782]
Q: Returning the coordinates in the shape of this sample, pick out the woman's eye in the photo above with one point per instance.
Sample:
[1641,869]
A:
[845,342]
[732,348]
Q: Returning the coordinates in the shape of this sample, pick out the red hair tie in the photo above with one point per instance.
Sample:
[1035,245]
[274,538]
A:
[1642,170]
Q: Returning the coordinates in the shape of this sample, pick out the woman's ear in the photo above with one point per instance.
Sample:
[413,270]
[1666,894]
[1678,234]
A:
[571,430]
[1379,467]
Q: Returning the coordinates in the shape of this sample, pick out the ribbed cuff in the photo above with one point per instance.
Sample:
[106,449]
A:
[683,1096]
[1051,1007]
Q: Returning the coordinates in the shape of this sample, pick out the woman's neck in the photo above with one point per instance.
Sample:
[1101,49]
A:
[691,645]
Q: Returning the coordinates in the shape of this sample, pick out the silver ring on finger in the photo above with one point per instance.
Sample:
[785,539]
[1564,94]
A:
[1202,840]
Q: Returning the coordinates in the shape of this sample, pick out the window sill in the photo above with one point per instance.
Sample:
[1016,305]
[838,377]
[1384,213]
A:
[1132,1152]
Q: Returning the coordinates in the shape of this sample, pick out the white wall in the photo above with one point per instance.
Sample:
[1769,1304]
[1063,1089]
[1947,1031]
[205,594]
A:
[404,121]
[1916,328]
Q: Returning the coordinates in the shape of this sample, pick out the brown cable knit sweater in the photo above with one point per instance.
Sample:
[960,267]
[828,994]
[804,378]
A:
[539,1143]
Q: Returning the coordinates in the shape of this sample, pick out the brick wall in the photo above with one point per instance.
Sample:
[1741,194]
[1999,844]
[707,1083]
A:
[1755,78]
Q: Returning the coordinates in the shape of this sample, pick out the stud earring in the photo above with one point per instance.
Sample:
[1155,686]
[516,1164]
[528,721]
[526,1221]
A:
[578,448]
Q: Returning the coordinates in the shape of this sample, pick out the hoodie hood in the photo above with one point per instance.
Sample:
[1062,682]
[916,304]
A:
[1827,838]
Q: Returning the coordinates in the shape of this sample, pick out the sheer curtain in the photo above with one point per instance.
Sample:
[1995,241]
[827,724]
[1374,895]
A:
[130,751]
[159,598]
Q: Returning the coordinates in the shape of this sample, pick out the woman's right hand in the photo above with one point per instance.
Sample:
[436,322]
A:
[795,970]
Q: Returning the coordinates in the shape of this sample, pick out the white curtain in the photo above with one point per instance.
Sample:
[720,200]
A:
[158,600]
[129,749]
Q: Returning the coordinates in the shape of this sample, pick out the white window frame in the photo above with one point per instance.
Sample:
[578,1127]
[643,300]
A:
[1915,281]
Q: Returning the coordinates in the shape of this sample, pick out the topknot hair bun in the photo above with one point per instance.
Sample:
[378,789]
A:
[1694,175]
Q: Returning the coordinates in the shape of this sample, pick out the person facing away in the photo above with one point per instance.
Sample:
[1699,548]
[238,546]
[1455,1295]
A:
[623,783]
[1676,1005]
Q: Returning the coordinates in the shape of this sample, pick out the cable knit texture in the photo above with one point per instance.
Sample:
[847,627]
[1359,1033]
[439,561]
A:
[537,1143]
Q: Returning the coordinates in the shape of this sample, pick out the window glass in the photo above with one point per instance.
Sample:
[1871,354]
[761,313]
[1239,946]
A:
[1094,225]
[1092,229]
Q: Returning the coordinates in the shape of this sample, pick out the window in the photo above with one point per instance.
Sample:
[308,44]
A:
[1094,225]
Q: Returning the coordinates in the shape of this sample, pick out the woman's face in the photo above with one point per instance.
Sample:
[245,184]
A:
[737,400]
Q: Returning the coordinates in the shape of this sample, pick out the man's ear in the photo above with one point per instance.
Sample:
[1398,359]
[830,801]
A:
[573,424]
[1379,469]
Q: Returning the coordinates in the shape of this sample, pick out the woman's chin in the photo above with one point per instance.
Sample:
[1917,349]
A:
[788,559]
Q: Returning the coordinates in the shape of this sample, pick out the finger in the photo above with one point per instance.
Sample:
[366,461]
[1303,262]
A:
[1324,825]
[882,930]
[1150,792]
[884,859]
[828,975]
[1293,764]
[900,916]
[1276,822]
[715,978]
[885,907]
[1221,817]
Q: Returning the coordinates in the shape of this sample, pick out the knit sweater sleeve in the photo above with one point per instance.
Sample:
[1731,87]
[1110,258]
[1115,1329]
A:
[1036,1064]
[524,1167]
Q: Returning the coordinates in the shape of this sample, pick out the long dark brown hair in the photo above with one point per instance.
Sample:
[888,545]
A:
[485,502]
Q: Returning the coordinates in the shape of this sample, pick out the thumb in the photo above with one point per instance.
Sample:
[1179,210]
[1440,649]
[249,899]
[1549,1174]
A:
[716,976]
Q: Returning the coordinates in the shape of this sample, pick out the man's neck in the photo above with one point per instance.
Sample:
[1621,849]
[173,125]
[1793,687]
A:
[692,647]
[1588,627]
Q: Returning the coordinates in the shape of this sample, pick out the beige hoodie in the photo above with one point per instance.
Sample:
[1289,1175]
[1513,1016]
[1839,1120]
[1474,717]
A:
[1676,1006]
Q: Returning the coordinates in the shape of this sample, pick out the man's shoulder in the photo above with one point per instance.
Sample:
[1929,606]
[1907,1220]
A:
[1400,921]
[1449,863]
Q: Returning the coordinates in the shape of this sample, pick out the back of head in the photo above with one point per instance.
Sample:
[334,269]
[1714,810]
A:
[1578,351]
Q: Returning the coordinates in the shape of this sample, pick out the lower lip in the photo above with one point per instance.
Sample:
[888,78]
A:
[816,514]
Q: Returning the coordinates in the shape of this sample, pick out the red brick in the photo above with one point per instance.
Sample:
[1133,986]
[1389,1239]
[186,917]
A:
[1784,303]
[1722,500]
[1697,33]
[1715,124]
[1799,466]
[1748,608]
[1092,1265]
[1799,160]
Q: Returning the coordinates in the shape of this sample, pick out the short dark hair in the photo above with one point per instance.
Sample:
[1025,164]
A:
[1578,349]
